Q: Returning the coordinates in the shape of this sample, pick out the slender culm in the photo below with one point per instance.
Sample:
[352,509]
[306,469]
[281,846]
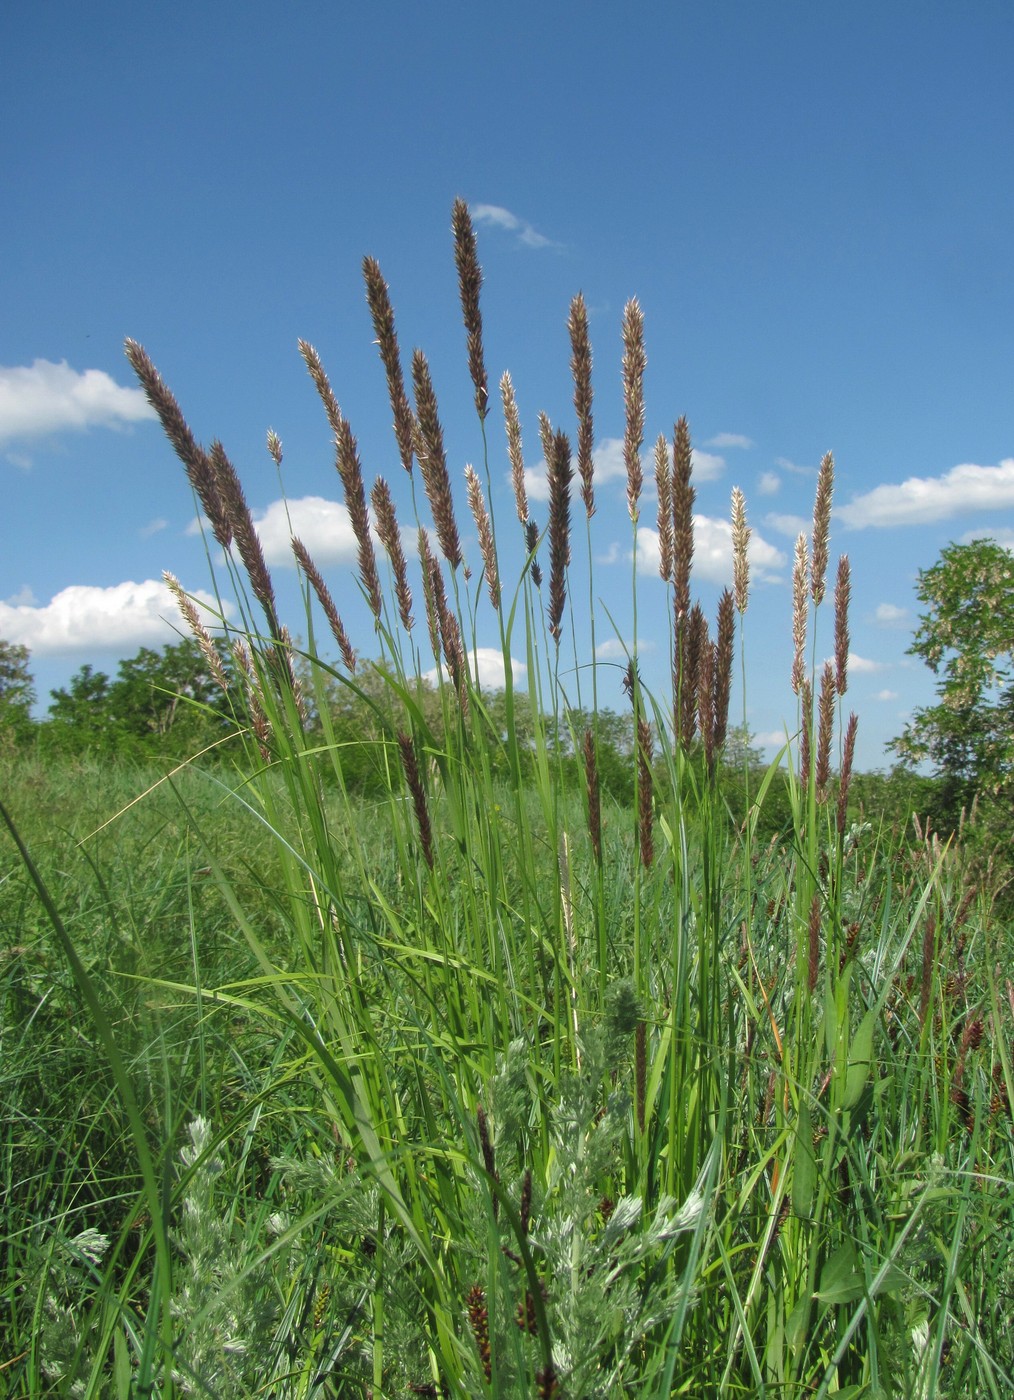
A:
[821,527]
[201,634]
[466,258]
[322,385]
[410,766]
[484,526]
[379,301]
[645,793]
[433,461]
[740,558]
[198,466]
[683,497]
[560,476]
[230,493]
[591,773]
[581,369]
[390,537]
[663,490]
[800,574]
[351,472]
[842,594]
[514,452]
[848,757]
[634,363]
[825,727]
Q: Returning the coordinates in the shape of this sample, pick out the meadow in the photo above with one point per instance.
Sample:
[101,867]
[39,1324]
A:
[492,1077]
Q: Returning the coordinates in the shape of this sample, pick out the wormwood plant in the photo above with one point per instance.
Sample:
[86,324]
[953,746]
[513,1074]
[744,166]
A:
[535,1094]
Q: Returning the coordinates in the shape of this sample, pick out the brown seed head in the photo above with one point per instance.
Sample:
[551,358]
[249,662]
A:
[634,363]
[410,766]
[591,773]
[201,634]
[322,385]
[466,258]
[487,545]
[323,593]
[390,538]
[842,592]
[433,461]
[379,301]
[813,961]
[230,493]
[726,633]
[825,729]
[351,472]
[663,489]
[683,497]
[560,477]
[517,461]
[821,527]
[740,540]
[581,367]
[800,572]
[848,755]
[806,731]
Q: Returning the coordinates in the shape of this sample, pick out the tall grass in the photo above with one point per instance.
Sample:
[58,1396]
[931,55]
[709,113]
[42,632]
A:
[494,1086]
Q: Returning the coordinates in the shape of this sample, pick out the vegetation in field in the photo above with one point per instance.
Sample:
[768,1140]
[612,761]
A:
[438,1039]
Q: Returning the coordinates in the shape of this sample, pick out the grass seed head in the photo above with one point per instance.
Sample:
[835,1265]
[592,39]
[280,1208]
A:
[581,368]
[379,301]
[466,258]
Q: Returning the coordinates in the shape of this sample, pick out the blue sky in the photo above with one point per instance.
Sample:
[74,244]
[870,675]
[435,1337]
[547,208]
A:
[813,205]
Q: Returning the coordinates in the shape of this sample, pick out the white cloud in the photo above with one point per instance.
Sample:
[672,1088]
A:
[729,440]
[322,525]
[153,527]
[1004,536]
[44,398]
[886,695]
[923,499]
[790,525]
[125,616]
[21,460]
[486,666]
[890,615]
[706,465]
[787,465]
[861,665]
[713,552]
[24,597]
[609,466]
[770,739]
[495,216]
[769,483]
[617,649]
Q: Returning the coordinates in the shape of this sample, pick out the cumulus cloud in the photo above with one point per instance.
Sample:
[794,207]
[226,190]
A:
[890,615]
[769,483]
[495,216]
[44,398]
[486,666]
[618,649]
[861,665]
[1003,536]
[770,739]
[923,499]
[124,616]
[729,440]
[787,465]
[323,526]
[153,527]
[790,525]
[713,552]
[886,695]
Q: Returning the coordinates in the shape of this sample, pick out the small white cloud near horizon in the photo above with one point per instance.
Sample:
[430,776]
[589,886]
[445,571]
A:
[23,598]
[792,526]
[1003,537]
[486,666]
[923,500]
[85,617]
[730,440]
[21,460]
[153,527]
[770,739]
[787,465]
[617,649]
[713,553]
[495,216]
[769,483]
[890,615]
[886,695]
[863,666]
[43,398]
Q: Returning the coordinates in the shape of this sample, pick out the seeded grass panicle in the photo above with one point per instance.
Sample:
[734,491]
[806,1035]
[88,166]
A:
[526,1048]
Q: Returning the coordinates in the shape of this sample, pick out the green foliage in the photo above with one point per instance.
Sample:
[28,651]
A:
[17,696]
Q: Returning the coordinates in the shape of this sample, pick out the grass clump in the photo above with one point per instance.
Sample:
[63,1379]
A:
[489,1082]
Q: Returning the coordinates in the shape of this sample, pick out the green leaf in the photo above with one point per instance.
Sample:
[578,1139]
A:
[860,1061]
[804,1165]
[840,1281]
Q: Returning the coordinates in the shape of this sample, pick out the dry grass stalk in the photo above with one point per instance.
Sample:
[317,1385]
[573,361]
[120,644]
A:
[351,472]
[800,573]
[433,461]
[825,728]
[327,604]
[322,385]
[483,524]
[806,732]
[726,633]
[848,756]
[513,425]
[634,363]
[390,537]
[591,773]
[842,593]
[247,540]
[683,497]
[427,560]
[560,476]
[663,489]
[741,533]
[645,793]
[581,368]
[410,764]
[201,634]
[198,467]
[379,301]
[813,939]
[821,527]
[466,258]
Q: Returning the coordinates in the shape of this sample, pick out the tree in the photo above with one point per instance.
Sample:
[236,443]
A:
[17,694]
[967,639]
